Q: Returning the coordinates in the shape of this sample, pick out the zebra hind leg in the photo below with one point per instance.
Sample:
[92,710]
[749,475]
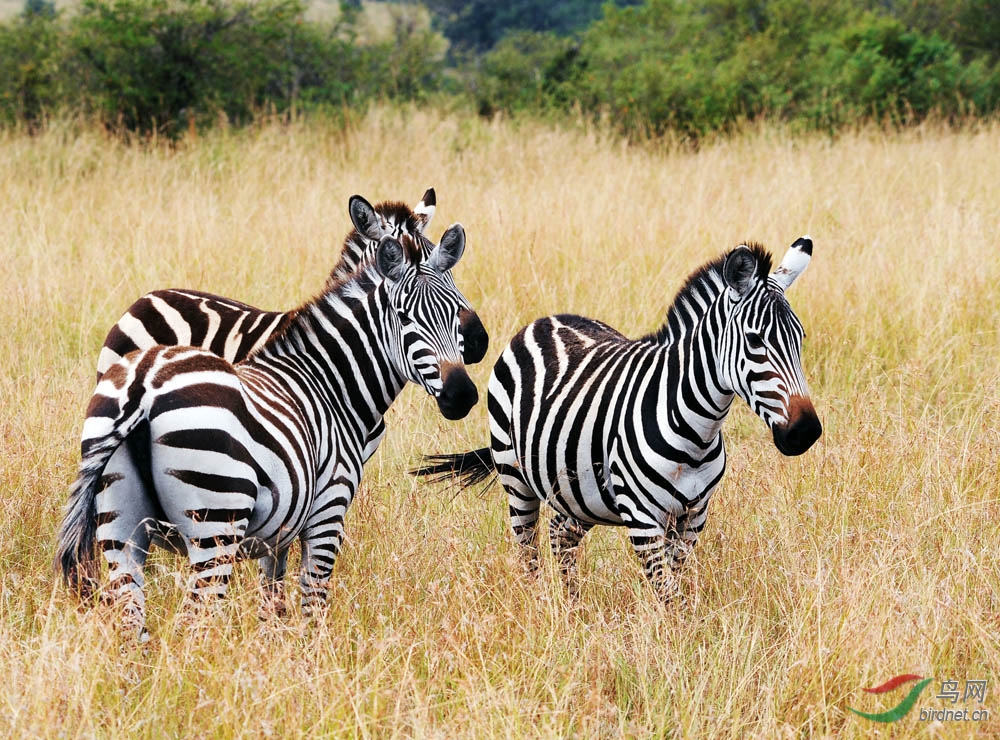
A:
[212,548]
[565,534]
[125,522]
[522,504]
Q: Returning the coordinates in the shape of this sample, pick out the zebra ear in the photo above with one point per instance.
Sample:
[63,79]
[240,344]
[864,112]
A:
[364,218]
[424,210]
[447,254]
[390,259]
[739,270]
[796,260]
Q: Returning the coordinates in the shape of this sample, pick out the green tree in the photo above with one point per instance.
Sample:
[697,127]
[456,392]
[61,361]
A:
[31,61]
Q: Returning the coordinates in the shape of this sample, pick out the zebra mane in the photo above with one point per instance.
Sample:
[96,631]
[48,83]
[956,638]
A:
[401,220]
[707,279]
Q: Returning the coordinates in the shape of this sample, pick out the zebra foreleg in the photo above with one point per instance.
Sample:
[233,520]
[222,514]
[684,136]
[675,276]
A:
[683,536]
[318,557]
[272,584]
[657,561]
[565,533]
[321,541]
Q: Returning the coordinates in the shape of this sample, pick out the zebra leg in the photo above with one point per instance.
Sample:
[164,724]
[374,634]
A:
[683,536]
[524,523]
[650,546]
[318,557]
[321,541]
[125,519]
[212,551]
[565,533]
[522,503]
[272,582]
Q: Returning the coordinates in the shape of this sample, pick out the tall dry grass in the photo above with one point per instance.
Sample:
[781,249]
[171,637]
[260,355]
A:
[874,554]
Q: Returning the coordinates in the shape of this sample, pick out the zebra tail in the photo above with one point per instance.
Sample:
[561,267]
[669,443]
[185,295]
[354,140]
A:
[76,551]
[470,468]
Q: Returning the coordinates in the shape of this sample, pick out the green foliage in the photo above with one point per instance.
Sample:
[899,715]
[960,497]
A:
[153,64]
[972,25]
[480,25]
[30,61]
[695,67]
[166,65]
[878,68]
[684,66]
[45,8]
[526,70]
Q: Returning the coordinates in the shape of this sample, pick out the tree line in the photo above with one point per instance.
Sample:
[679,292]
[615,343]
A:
[684,66]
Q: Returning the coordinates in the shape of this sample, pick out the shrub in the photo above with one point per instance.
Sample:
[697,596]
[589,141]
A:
[31,59]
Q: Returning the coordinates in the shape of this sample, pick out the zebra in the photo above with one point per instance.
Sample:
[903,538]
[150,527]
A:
[233,329]
[220,461]
[621,432]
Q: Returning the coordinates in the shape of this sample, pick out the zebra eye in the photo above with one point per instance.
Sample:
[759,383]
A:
[404,318]
[754,340]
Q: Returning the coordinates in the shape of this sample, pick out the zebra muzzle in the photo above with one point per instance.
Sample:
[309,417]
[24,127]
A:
[476,340]
[458,393]
[801,430]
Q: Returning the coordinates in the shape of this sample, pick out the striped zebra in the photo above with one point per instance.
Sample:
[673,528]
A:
[621,432]
[183,449]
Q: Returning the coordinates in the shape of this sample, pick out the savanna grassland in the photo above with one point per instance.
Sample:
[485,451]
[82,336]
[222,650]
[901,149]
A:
[874,554]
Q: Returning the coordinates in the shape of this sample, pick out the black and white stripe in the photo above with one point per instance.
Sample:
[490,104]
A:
[219,461]
[610,430]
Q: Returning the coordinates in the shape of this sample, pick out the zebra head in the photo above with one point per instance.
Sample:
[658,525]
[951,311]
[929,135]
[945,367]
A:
[762,344]
[397,220]
[422,318]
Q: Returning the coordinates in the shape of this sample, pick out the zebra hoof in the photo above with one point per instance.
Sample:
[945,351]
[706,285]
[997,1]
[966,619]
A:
[272,609]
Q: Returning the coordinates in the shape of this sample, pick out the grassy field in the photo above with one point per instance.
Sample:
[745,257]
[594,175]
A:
[877,553]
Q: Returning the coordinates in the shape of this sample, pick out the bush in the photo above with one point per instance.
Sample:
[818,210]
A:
[150,65]
[695,67]
[525,71]
[879,69]
[31,60]
[164,65]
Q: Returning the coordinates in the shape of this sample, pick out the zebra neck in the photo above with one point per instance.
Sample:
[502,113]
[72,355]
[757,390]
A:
[693,399]
[337,348]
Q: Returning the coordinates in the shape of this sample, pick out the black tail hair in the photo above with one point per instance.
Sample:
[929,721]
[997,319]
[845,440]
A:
[472,467]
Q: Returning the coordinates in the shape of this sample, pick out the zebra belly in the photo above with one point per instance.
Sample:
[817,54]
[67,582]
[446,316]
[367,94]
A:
[582,494]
